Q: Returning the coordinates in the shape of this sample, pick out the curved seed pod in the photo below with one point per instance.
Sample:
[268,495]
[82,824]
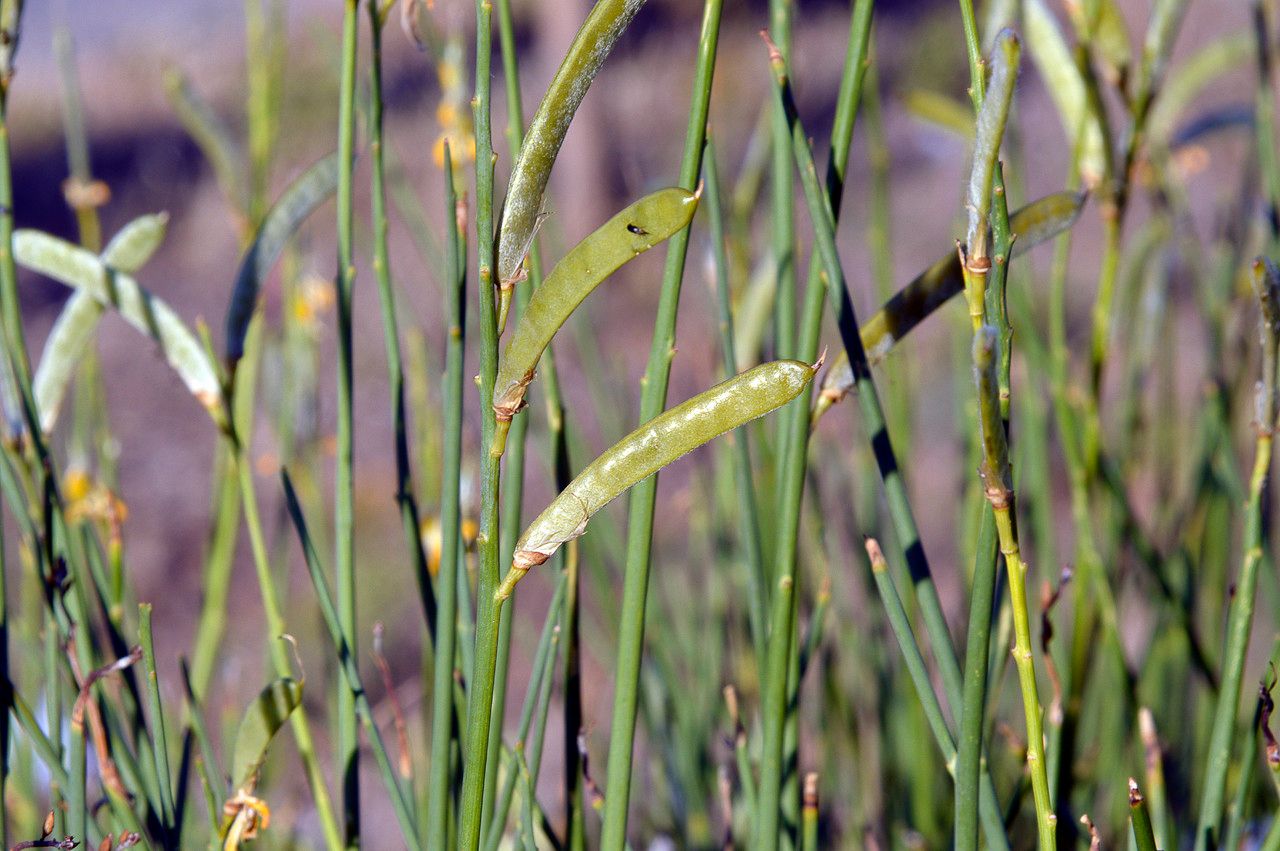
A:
[75,267]
[1062,78]
[1033,224]
[630,233]
[132,246]
[71,334]
[651,447]
[547,130]
[297,202]
[262,719]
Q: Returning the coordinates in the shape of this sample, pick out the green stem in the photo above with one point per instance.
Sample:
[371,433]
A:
[347,746]
[986,564]
[450,534]
[488,608]
[749,515]
[279,655]
[782,218]
[159,744]
[644,495]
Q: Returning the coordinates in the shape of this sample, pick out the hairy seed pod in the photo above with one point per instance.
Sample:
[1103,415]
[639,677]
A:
[651,447]
[630,233]
[523,204]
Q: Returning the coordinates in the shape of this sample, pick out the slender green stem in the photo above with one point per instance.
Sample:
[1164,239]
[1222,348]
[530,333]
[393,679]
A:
[513,492]
[350,671]
[748,521]
[488,608]
[158,739]
[986,562]
[871,412]
[782,212]
[347,746]
[644,495]
[541,673]
[1240,618]
[279,654]
[450,534]
[10,34]
[777,697]
[405,498]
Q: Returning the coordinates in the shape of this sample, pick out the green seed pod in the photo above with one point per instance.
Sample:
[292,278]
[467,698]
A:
[1033,224]
[630,233]
[523,204]
[262,719]
[651,447]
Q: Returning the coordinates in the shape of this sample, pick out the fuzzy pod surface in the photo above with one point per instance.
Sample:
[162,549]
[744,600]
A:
[655,444]
[630,233]
[597,36]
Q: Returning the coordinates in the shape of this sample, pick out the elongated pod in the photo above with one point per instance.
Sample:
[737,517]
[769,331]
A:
[630,233]
[75,267]
[76,325]
[1033,224]
[651,447]
[299,201]
[546,132]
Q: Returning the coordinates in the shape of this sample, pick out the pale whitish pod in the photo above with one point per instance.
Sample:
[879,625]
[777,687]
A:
[528,182]
[297,202]
[651,447]
[1033,224]
[73,331]
[75,267]
[135,243]
[630,233]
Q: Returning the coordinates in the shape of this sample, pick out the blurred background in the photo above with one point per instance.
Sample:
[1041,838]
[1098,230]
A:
[625,140]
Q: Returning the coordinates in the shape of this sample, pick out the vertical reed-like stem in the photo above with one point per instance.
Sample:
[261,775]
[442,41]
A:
[347,746]
[1266,279]
[440,787]
[644,495]
[488,607]
[783,645]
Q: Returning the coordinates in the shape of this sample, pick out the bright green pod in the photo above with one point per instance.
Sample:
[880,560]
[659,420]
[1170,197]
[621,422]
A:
[74,328]
[71,265]
[295,204]
[528,182]
[1033,224]
[651,447]
[262,720]
[629,234]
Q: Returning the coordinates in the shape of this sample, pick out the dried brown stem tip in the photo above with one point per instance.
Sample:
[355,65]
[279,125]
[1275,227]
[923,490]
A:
[811,791]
